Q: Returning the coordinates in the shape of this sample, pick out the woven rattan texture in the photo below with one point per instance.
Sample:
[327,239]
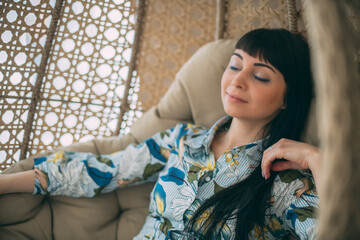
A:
[173,31]
[245,15]
[84,79]
[22,37]
[84,82]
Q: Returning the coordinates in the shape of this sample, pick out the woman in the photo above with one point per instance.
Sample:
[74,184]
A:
[215,183]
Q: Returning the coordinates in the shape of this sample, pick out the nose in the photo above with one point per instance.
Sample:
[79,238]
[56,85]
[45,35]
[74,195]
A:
[240,80]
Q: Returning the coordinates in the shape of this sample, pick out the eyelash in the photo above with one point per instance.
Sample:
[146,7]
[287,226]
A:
[262,79]
[258,78]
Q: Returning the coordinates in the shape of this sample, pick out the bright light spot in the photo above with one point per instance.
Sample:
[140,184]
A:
[30,19]
[51,119]
[3,56]
[83,67]
[20,59]
[95,12]
[47,137]
[115,16]
[107,52]
[111,34]
[4,137]
[35,2]
[8,117]
[66,139]
[87,49]
[70,121]
[63,64]
[11,16]
[68,45]
[25,39]
[130,36]
[6,36]
[92,123]
[77,7]
[103,70]
[78,86]
[100,88]
[124,72]
[15,78]
[91,30]
[73,26]
[127,54]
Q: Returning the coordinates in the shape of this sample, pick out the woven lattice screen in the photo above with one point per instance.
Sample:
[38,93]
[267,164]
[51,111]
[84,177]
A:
[83,84]
[173,31]
[245,15]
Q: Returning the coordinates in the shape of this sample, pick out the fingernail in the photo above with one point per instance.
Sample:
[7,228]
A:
[267,176]
[263,174]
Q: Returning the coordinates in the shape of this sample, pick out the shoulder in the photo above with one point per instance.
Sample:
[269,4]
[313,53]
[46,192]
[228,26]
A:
[188,129]
[295,202]
[292,186]
[292,179]
[180,132]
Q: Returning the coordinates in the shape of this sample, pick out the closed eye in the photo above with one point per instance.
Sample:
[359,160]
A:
[262,79]
[234,68]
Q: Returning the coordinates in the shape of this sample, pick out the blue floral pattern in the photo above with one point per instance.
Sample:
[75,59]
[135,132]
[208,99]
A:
[181,163]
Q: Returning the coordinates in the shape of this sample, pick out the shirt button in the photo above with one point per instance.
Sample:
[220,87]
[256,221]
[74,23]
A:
[207,179]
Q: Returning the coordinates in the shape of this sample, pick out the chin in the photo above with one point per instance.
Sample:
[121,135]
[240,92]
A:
[245,116]
[236,114]
[235,111]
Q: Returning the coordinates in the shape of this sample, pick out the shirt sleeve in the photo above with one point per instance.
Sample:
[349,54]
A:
[300,216]
[77,174]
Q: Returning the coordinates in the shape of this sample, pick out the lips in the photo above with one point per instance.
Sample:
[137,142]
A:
[235,98]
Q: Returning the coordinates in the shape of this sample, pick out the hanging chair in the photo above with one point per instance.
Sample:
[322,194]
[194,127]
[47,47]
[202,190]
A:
[177,47]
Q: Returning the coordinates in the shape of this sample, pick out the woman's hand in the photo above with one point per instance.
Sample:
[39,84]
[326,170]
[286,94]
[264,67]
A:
[292,155]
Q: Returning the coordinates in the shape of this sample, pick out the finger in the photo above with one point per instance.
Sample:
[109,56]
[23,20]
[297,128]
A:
[276,151]
[266,162]
[268,158]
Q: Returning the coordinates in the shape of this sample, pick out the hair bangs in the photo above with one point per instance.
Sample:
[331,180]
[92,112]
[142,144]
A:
[267,46]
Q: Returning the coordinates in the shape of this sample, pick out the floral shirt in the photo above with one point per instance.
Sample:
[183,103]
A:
[186,174]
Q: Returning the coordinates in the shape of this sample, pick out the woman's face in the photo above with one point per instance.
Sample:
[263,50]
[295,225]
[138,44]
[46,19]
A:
[252,89]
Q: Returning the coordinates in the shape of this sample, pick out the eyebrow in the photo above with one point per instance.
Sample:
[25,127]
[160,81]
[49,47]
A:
[255,64]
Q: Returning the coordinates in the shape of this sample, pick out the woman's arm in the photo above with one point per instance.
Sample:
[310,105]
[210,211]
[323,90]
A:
[79,174]
[292,155]
[17,182]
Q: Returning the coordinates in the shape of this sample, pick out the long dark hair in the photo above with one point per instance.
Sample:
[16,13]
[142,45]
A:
[247,200]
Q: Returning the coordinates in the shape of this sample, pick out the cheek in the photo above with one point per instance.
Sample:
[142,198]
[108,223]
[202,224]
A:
[224,82]
[272,100]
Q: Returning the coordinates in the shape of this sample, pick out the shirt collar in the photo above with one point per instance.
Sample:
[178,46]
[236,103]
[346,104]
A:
[204,140]
[221,125]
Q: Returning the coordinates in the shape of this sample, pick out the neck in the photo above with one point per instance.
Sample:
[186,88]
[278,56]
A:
[242,132]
